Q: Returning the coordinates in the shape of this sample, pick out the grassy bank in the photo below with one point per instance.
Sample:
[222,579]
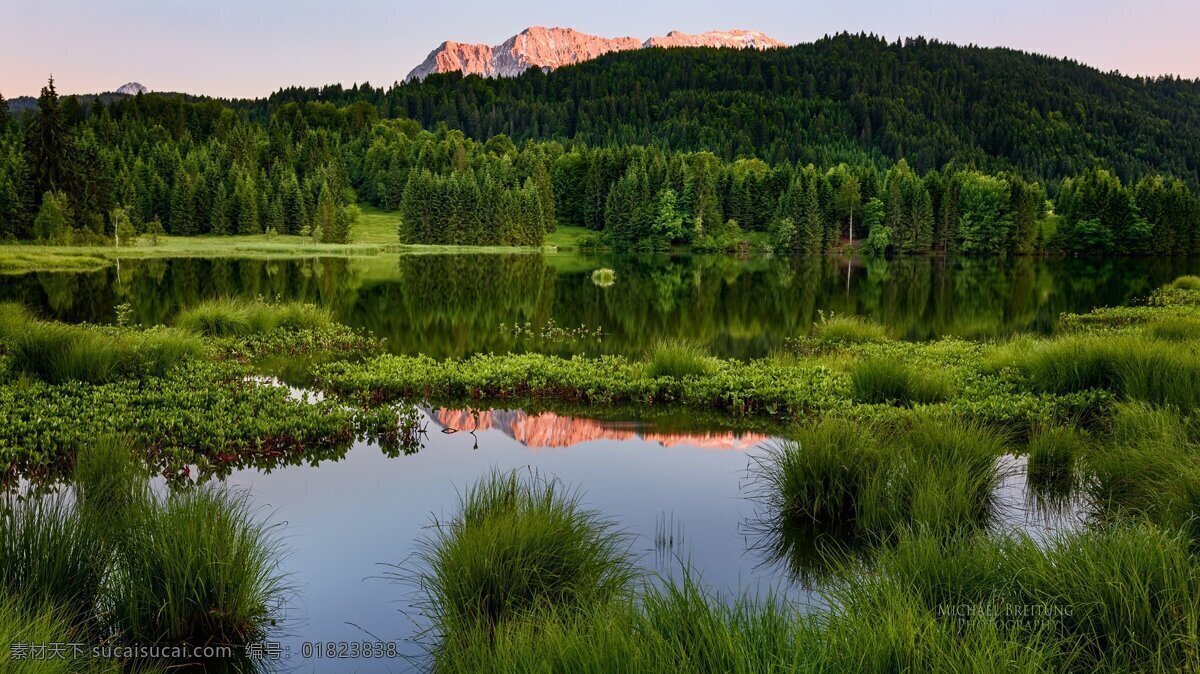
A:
[375,233]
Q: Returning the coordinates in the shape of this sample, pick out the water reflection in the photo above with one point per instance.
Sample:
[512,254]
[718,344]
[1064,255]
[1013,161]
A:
[454,305]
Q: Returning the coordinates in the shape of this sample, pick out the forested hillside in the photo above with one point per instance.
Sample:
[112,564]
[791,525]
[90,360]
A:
[843,98]
[909,149]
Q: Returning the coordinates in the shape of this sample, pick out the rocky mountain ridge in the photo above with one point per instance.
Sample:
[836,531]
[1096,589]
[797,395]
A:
[549,48]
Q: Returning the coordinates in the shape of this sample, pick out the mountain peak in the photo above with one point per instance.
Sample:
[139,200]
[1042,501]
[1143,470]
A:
[549,48]
[132,89]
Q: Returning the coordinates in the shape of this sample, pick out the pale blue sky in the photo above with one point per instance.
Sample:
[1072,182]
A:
[252,47]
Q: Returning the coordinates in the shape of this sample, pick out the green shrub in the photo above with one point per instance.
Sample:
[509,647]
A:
[520,544]
[849,330]
[680,359]
[196,568]
[886,380]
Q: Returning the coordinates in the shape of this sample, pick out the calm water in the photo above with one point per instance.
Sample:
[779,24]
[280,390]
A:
[454,305]
[684,497]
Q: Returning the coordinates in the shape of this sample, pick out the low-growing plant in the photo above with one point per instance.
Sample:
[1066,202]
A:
[882,379]
[520,544]
[680,359]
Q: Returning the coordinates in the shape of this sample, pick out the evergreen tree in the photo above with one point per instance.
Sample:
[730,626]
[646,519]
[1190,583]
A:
[48,144]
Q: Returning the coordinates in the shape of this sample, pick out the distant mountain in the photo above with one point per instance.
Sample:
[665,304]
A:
[550,48]
[132,89]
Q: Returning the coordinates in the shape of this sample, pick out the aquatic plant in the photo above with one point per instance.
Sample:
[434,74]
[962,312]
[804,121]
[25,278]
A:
[1135,368]
[679,359]
[844,329]
[841,484]
[1186,283]
[238,317]
[1053,457]
[196,568]
[604,277]
[519,544]
[49,555]
[886,380]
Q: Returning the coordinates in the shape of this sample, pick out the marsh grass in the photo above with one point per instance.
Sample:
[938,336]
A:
[886,380]
[1186,283]
[59,352]
[679,359]
[1053,469]
[1138,369]
[237,317]
[519,544]
[1149,470]
[23,622]
[675,626]
[839,488]
[196,568]
[849,330]
[49,555]
[1175,329]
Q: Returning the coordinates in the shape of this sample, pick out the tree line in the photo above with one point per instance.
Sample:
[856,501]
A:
[844,98]
[72,171]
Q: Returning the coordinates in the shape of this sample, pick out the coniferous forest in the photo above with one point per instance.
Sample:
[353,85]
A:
[909,147]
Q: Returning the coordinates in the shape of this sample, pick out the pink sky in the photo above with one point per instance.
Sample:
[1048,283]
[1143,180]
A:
[252,47]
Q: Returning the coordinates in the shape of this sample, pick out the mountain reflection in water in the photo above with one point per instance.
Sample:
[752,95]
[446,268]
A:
[550,430]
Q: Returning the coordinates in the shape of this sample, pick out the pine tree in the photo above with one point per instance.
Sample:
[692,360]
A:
[48,145]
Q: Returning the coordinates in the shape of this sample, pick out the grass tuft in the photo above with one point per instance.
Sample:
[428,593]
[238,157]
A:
[886,380]
[520,544]
[1175,329]
[680,359]
[849,330]
[236,317]
[196,568]
[1186,283]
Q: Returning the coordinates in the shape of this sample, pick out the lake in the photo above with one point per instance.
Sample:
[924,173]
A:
[456,305]
[351,527]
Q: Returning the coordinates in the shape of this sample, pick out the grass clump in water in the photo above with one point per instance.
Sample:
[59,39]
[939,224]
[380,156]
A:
[884,380]
[49,555]
[196,568]
[520,545]
[680,359]
[236,317]
[849,330]
[843,484]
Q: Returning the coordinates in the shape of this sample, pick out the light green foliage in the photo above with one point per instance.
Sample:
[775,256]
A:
[678,360]
[234,317]
[986,223]
[54,219]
